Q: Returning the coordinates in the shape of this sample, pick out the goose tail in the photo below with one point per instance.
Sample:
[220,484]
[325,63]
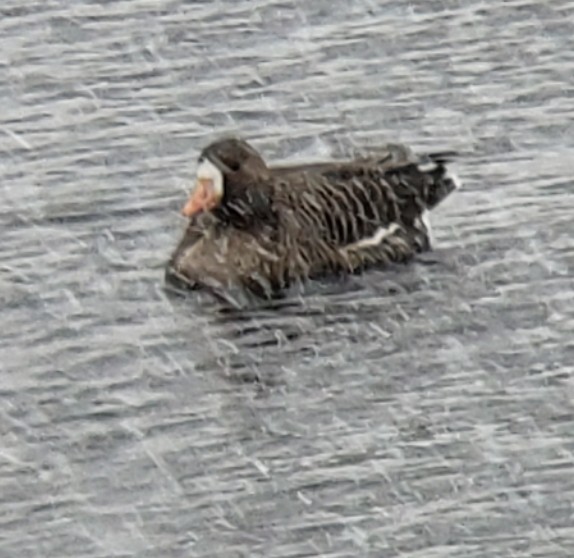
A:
[443,180]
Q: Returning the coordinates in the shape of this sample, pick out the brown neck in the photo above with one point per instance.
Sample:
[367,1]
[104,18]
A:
[246,205]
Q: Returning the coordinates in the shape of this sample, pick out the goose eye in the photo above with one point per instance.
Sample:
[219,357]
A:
[234,166]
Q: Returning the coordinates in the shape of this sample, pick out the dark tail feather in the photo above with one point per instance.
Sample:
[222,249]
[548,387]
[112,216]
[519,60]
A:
[443,157]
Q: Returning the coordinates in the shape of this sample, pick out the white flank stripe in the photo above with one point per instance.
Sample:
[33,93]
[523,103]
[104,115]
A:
[376,239]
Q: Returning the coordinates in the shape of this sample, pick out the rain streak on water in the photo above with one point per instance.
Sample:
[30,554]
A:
[424,411]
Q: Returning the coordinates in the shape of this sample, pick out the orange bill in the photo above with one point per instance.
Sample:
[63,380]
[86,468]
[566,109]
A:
[203,198]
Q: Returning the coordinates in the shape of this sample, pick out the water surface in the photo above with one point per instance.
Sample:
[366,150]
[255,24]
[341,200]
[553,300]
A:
[425,411]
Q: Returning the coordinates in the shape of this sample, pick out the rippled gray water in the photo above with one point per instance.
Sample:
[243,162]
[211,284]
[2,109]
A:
[425,411]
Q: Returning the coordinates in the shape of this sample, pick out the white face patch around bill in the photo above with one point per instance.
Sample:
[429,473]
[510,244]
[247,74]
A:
[207,172]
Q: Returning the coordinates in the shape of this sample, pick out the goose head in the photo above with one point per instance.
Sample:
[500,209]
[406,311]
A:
[231,182]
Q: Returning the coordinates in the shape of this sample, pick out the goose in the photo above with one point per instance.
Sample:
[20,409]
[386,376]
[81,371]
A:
[263,228]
